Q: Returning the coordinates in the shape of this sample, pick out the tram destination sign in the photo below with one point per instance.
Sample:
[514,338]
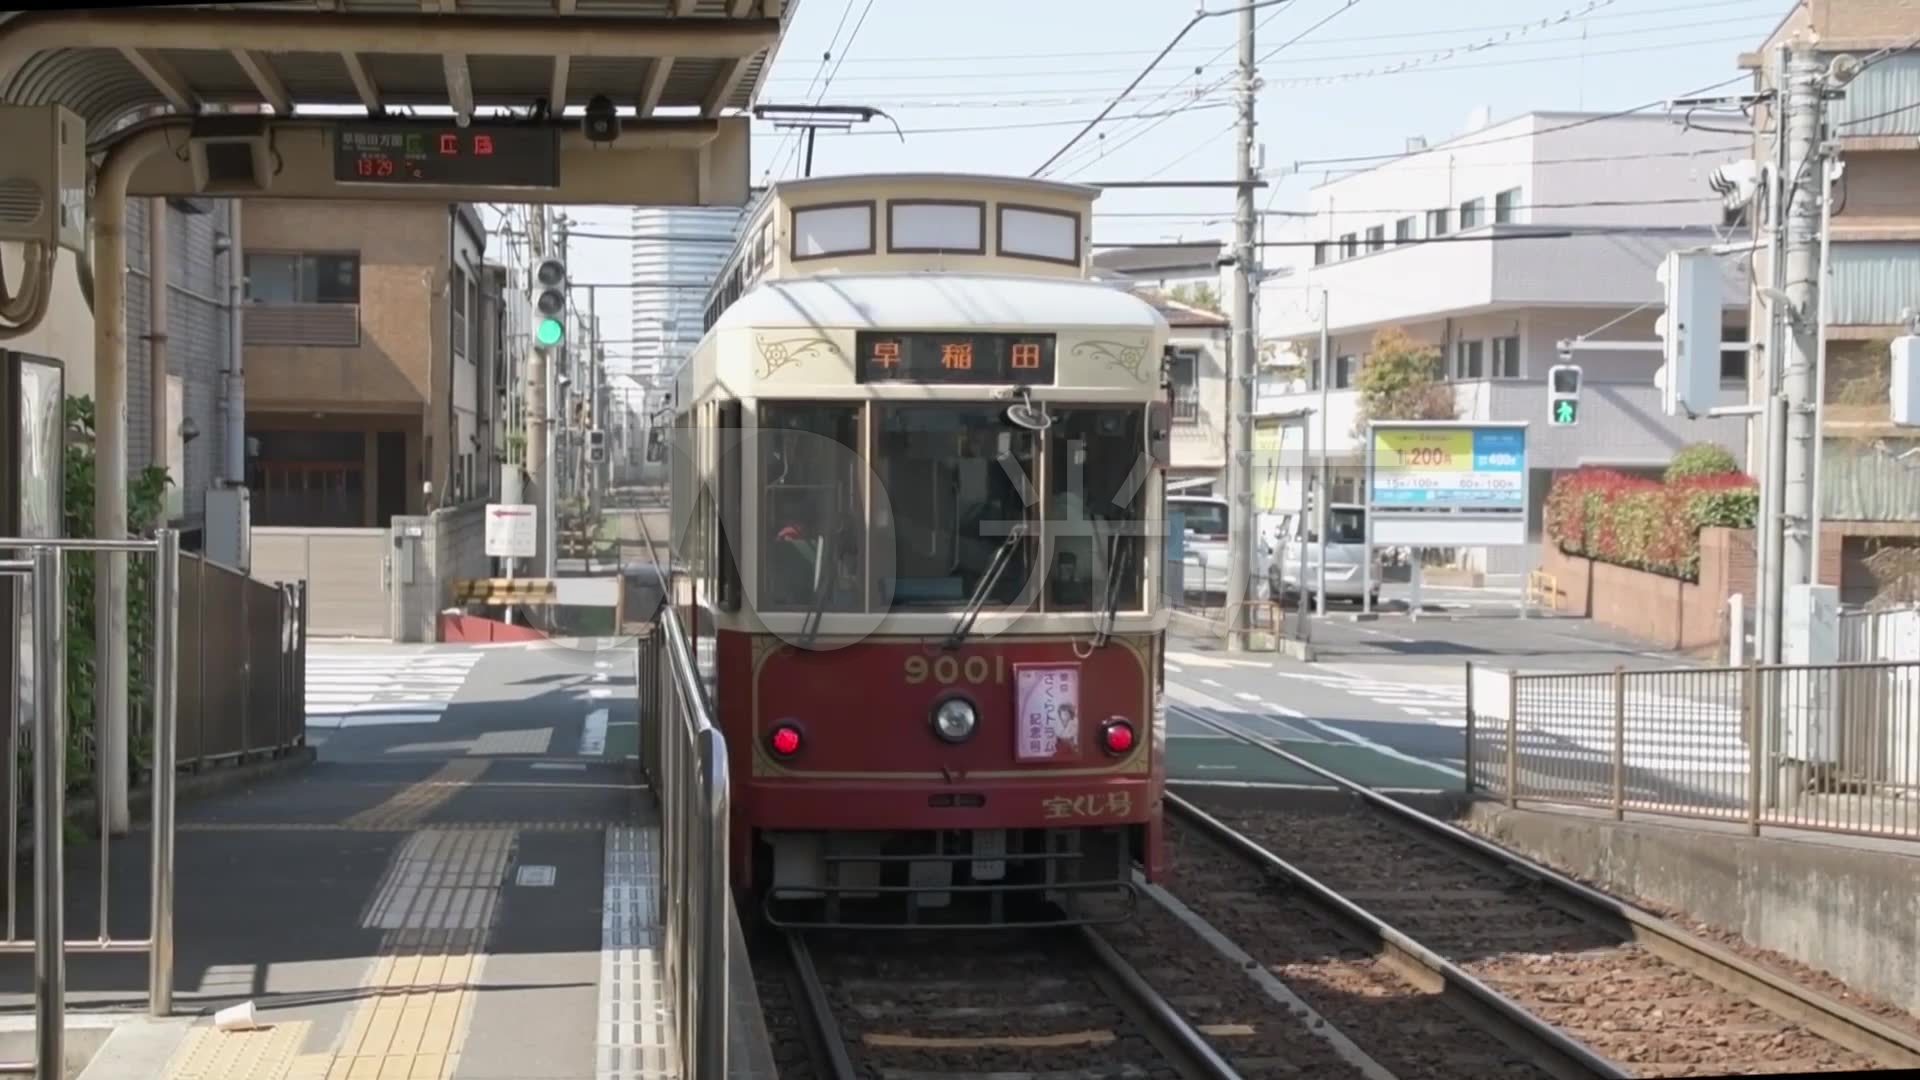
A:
[1026,359]
[446,155]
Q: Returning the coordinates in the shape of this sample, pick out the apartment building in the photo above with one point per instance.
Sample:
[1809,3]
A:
[1869,484]
[1492,247]
[677,251]
[372,332]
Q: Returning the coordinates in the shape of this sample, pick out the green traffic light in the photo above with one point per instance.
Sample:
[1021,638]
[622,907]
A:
[548,332]
[1565,412]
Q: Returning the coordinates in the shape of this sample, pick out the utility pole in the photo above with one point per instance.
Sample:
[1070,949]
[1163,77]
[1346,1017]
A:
[1323,514]
[1240,530]
[535,390]
[1805,177]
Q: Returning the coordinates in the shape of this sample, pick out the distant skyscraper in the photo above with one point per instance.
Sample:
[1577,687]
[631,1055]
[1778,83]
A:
[676,244]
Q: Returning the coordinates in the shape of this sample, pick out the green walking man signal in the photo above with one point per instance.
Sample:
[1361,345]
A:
[1563,395]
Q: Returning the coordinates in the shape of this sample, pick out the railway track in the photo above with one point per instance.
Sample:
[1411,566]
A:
[1001,1004]
[1582,983]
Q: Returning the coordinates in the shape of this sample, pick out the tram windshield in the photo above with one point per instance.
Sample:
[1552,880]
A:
[953,482]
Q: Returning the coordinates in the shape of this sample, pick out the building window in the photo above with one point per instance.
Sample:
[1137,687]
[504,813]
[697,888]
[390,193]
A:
[1506,206]
[1377,238]
[1403,231]
[1344,369]
[1183,376]
[1506,357]
[1320,253]
[1469,360]
[303,278]
[458,293]
[1349,245]
[1439,222]
[1472,213]
[1733,366]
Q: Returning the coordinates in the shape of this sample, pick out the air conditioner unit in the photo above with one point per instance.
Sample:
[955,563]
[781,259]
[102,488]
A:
[230,154]
[43,176]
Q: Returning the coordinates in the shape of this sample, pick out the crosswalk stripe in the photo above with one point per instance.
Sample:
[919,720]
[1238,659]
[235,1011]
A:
[379,689]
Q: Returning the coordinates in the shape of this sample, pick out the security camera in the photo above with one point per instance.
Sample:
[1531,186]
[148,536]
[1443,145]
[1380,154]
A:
[1566,350]
[565,381]
[602,124]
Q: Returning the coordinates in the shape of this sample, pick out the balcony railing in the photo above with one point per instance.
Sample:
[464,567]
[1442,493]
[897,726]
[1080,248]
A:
[330,326]
[1186,406]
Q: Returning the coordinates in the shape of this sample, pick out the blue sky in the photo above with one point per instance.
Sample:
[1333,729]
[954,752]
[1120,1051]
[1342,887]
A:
[997,86]
[990,65]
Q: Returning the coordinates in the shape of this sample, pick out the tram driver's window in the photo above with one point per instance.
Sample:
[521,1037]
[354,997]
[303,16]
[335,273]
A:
[1096,484]
[958,478]
[810,507]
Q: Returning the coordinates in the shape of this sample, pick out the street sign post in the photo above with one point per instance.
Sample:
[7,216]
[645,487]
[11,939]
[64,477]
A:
[512,530]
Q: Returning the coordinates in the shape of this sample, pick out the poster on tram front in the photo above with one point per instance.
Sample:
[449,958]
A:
[1046,710]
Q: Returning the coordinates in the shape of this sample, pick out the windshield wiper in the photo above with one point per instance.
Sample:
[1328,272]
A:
[988,580]
[1110,608]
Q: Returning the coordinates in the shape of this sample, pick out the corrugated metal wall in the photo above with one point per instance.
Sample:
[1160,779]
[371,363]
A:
[196,341]
[1872,283]
[1868,481]
[1879,101]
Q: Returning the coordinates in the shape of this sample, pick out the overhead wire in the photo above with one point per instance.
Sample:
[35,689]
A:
[1202,15]
[1768,8]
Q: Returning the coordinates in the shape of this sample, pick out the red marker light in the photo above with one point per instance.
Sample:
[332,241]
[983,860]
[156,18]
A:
[785,740]
[1118,736]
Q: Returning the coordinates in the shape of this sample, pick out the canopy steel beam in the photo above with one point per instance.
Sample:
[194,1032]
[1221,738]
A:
[162,76]
[723,87]
[657,74]
[362,82]
[265,80]
[409,35]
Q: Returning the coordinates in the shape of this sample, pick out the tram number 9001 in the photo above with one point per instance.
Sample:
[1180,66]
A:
[977,670]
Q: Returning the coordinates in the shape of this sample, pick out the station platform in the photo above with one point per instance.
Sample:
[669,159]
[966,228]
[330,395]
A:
[465,894]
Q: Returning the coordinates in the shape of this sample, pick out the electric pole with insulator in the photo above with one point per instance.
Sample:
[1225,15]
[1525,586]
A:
[1240,530]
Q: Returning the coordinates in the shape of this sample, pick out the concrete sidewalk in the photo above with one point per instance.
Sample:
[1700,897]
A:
[437,897]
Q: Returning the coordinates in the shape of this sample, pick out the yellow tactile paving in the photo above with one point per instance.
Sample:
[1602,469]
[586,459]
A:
[410,805]
[412,1025]
[261,1054]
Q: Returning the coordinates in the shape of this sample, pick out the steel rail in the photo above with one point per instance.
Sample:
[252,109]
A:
[1202,1060]
[1191,1054]
[818,1012]
[1552,1049]
[1818,1012]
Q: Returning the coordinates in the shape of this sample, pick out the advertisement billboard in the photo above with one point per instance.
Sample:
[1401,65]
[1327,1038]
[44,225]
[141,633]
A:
[1447,483]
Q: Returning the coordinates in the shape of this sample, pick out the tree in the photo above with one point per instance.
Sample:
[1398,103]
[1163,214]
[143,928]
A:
[1202,296]
[1402,380]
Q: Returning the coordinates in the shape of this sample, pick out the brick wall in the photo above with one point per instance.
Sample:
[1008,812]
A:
[1663,611]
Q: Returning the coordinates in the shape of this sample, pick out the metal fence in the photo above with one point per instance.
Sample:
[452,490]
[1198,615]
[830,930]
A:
[1832,747]
[685,759]
[243,663]
[1880,634]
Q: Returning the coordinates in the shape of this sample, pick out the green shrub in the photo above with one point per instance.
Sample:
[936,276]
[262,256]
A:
[1701,459]
[1629,521]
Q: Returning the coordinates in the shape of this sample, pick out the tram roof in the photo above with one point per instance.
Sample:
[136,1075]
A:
[803,185]
[938,301]
[111,66]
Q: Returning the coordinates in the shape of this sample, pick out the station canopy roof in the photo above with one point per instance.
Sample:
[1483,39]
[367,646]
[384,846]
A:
[113,66]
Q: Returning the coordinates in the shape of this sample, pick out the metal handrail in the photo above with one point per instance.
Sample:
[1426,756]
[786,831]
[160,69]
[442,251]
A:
[685,760]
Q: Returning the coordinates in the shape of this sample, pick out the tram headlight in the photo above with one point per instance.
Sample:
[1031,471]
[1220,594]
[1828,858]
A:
[954,720]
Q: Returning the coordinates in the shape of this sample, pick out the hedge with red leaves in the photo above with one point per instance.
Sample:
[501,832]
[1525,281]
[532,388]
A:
[1645,524]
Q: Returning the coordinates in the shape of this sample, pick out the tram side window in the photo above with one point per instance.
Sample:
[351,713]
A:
[957,479]
[811,547]
[1096,461]
[726,566]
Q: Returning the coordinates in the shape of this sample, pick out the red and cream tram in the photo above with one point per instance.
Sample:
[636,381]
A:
[916,467]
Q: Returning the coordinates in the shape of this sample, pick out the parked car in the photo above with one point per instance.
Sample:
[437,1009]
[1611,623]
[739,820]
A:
[1346,556]
[1206,544]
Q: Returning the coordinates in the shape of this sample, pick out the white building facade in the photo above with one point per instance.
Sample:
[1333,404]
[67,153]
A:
[1492,248]
[677,252]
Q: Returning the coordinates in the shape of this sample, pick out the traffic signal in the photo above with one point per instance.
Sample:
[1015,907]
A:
[596,445]
[550,304]
[1690,331]
[1563,395]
